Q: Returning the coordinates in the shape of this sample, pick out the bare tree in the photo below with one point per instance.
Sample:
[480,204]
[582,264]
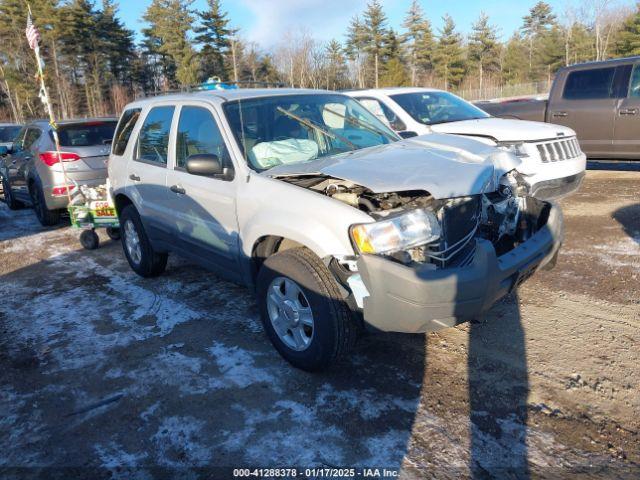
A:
[605,18]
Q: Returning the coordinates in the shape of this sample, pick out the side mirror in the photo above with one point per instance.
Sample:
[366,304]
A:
[407,134]
[205,165]
[4,150]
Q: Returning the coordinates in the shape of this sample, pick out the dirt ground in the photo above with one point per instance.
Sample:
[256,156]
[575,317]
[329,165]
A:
[106,375]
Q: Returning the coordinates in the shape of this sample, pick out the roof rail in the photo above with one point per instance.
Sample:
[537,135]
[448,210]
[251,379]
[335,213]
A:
[212,85]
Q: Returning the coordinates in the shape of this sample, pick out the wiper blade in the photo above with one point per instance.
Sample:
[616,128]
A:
[310,124]
[365,125]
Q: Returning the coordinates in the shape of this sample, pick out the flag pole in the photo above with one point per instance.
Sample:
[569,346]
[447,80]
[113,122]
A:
[52,121]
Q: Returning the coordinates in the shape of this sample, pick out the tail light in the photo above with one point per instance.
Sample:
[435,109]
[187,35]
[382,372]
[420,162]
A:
[61,191]
[51,158]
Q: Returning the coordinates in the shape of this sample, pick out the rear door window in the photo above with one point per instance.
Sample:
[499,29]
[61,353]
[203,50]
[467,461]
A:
[31,137]
[590,84]
[128,121]
[153,142]
[86,134]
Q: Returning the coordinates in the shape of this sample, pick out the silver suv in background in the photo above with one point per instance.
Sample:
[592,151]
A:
[8,132]
[552,163]
[335,221]
[32,173]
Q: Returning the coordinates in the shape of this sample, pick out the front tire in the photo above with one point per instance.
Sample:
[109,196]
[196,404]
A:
[302,310]
[142,258]
[46,217]
[9,199]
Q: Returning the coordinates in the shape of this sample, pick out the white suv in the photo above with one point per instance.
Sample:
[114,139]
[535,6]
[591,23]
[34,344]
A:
[552,163]
[333,220]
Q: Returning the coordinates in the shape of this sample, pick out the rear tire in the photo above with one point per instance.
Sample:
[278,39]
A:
[113,233]
[333,331]
[46,217]
[9,199]
[142,258]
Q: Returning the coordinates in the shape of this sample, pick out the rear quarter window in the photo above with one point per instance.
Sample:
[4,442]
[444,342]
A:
[126,125]
[590,84]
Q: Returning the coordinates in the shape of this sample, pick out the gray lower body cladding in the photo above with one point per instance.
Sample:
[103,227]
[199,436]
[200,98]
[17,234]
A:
[416,300]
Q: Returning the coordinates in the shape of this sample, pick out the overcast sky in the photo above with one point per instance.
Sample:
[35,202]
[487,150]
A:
[264,21]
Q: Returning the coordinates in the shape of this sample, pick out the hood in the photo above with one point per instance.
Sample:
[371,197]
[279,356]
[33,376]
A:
[505,130]
[434,165]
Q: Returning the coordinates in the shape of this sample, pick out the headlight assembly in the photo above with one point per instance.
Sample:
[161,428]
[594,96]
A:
[402,232]
[517,148]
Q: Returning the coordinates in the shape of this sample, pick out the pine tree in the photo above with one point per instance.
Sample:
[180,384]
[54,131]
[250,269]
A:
[484,49]
[213,35]
[514,70]
[449,54]
[375,22]
[336,66]
[418,40]
[394,75]
[116,42]
[355,46]
[581,45]
[551,54]
[168,36]
[539,21]
[628,43]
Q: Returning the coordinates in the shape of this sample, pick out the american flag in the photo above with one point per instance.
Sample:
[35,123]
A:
[33,36]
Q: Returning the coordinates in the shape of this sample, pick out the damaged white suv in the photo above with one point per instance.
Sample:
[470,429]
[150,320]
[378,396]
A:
[335,221]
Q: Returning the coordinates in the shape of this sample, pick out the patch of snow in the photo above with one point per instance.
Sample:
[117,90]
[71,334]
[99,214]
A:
[178,443]
[238,366]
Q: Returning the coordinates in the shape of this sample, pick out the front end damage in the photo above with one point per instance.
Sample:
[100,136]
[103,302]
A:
[487,245]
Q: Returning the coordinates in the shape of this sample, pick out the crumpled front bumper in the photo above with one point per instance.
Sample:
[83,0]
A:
[417,300]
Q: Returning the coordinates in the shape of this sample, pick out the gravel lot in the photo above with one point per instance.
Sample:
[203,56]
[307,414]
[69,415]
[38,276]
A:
[104,374]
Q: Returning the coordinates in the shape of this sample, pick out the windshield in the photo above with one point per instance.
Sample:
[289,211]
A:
[290,129]
[8,134]
[431,108]
[86,134]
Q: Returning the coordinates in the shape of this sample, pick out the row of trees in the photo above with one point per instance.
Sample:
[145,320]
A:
[94,65]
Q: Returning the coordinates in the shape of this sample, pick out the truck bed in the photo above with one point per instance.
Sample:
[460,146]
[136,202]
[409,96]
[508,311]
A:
[521,109]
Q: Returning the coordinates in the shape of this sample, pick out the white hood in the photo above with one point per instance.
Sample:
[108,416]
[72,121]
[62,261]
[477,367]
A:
[444,166]
[505,130]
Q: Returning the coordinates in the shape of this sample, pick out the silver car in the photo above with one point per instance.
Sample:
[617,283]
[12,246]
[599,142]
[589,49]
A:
[33,173]
[333,220]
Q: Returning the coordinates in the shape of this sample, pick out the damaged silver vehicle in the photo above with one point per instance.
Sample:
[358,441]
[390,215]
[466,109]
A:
[337,223]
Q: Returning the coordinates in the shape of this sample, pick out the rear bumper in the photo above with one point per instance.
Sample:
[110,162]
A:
[417,300]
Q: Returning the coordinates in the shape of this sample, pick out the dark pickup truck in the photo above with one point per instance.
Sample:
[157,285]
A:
[599,100]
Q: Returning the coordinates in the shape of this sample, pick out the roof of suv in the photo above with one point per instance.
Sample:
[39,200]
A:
[229,95]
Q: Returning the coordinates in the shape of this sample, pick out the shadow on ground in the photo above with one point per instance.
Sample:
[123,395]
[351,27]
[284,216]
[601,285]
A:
[629,218]
[614,165]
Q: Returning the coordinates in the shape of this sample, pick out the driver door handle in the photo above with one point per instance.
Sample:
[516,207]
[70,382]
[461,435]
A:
[177,189]
[629,111]
[134,177]
[559,114]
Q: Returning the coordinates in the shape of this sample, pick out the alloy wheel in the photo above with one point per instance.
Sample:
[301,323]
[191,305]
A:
[290,313]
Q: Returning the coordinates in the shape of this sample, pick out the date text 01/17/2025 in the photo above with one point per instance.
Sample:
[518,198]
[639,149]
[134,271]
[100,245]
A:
[316,472]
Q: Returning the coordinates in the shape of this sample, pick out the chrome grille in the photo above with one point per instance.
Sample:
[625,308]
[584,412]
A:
[559,150]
